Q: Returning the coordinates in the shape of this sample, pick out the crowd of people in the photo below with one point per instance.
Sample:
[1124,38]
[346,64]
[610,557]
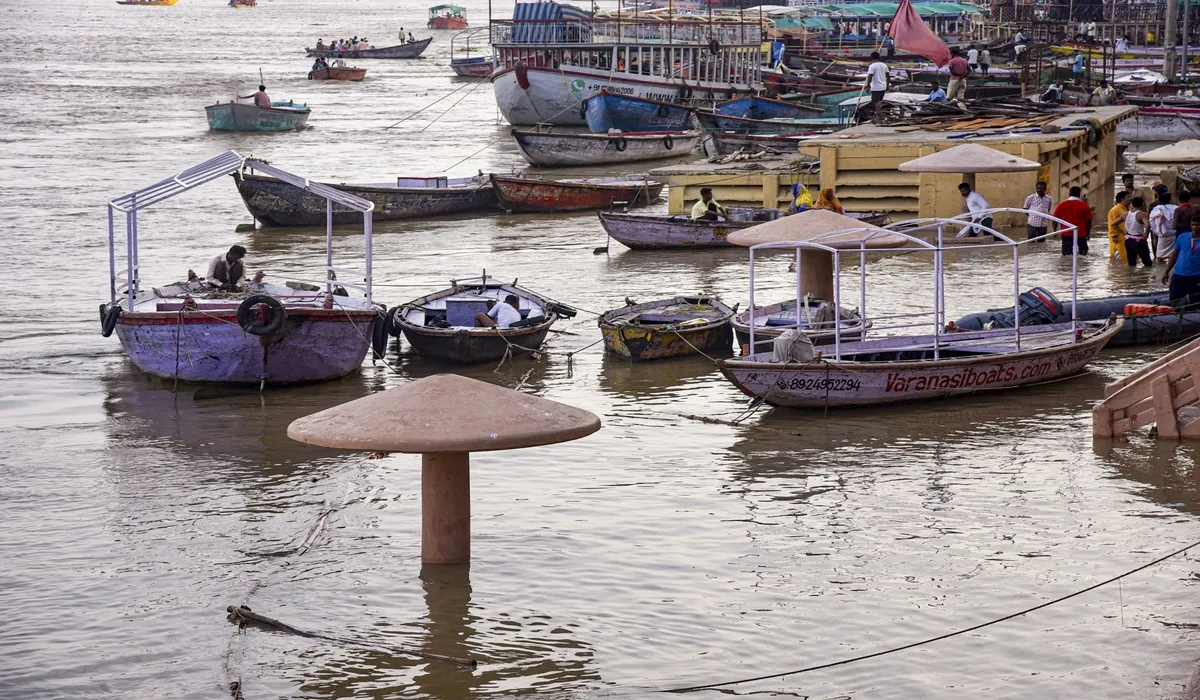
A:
[339,45]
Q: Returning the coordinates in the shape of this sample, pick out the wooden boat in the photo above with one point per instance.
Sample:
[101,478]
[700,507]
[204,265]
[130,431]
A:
[816,320]
[398,51]
[236,116]
[657,232]
[442,325]
[333,73]
[1161,124]
[606,110]
[1141,328]
[765,108]
[906,368]
[243,3]
[447,17]
[550,149]
[724,144]
[273,202]
[474,67]
[148,3]
[262,334]
[899,365]
[466,65]
[674,327]
[532,195]
[713,122]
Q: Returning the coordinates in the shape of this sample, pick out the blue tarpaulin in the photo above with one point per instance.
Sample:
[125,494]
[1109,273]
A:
[542,30]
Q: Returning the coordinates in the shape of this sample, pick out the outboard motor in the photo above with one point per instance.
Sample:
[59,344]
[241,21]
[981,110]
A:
[1038,307]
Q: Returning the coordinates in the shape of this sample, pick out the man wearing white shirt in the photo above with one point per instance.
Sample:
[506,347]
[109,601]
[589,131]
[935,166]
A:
[976,204]
[877,78]
[973,57]
[502,315]
[1040,202]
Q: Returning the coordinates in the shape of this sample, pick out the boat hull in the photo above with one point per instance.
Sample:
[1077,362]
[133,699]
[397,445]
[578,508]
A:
[666,232]
[607,111]
[561,150]
[398,51]
[826,383]
[474,346]
[276,203]
[448,23]
[523,195]
[536,95]
[480,67]
[1161,124]
[726,144]
[759,127]
[353,74]
[313,345]
[243,117]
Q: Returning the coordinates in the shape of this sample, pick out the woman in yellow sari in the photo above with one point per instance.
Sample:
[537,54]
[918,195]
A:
[828,200]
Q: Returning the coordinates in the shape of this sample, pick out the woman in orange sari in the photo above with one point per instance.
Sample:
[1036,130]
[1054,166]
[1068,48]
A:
[828,200]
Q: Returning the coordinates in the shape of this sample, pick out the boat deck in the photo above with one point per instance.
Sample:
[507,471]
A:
[171,298]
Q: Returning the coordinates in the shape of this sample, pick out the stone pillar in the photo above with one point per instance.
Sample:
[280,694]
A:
[446,508]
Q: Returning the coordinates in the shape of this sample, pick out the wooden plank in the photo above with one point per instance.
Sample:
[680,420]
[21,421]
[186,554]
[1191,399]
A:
[1164,408]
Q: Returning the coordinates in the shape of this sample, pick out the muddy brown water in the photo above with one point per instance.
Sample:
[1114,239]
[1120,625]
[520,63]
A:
[658,553]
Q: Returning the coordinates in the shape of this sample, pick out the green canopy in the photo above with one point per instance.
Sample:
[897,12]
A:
[818,23]
[456,9]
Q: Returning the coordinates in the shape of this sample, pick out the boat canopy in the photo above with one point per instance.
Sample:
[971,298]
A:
[535,23]
[454,9]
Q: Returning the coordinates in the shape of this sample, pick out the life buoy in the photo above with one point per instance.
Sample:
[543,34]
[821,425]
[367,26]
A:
[255,321]
[108,318]
[620,144]
[668,142]
[663,111]
[380,333]
[522,73]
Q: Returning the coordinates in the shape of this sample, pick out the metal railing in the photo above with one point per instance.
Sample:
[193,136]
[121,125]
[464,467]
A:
[613,31]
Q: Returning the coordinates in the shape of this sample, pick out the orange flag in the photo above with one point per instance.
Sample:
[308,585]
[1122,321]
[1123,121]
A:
[912,34]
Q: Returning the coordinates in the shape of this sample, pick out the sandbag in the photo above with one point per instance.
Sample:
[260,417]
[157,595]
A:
[792,346]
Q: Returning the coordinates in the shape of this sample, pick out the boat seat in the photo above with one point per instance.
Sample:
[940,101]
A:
[659,319]
[774,322]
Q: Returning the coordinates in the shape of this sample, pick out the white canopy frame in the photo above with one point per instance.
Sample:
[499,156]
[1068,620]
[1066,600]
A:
[850,240]
[125,285]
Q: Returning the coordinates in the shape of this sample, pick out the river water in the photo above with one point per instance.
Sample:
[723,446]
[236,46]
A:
[661,552]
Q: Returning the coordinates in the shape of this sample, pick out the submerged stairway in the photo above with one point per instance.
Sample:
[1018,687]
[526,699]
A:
[1164,392]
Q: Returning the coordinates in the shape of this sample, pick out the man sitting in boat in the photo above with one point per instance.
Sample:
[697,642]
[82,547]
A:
[411,39]
[226,271]
[321,45]
[260,98]
[500,314]
[320,64]
[707,208]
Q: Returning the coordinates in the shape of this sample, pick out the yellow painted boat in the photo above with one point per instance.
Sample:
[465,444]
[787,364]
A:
[147,2]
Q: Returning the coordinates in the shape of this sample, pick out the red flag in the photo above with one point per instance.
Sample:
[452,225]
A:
[912,34]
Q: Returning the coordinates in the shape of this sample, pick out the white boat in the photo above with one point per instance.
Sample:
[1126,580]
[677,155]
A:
[260,333]
[903,363]
[551,57]
[556,149]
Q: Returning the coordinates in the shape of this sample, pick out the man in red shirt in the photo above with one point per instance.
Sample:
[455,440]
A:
[1074,211]
[959,70]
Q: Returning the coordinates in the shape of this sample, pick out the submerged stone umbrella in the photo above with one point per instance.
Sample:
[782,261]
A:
[444,418]
[969,159]
[816,266]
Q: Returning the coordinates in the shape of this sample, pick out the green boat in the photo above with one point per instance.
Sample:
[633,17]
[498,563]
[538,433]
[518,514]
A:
[233,116]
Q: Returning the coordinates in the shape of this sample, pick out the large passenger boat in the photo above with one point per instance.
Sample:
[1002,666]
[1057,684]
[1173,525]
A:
[552,57]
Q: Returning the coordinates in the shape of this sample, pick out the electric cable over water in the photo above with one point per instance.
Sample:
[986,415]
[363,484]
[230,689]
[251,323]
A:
[893,650]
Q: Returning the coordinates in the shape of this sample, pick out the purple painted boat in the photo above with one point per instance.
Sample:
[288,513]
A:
[653,232]
[657,232]
[258,334]
[905,363]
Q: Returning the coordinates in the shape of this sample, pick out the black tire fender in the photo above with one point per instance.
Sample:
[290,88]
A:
[247,318]
[620,143]
[392,326]
[380,332]
[668,142]
[109,313]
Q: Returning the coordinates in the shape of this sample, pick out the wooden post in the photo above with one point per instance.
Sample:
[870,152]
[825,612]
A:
[1164,408]
[446,508]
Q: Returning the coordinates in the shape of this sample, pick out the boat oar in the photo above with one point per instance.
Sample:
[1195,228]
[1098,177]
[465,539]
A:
[601,250]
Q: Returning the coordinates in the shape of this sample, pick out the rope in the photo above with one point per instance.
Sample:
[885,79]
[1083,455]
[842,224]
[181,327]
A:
[431,123]
[460,87]
[938,638]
